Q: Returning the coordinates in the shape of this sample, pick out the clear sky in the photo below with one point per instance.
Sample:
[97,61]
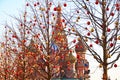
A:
[9,7]
[14,7]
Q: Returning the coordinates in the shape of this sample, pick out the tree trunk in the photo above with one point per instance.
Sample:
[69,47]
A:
[105,74]
[104,25]
[49,72]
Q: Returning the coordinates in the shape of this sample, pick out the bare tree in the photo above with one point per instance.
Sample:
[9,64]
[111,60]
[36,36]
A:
[6,58]
[96,22]
[35,48]
[38,42]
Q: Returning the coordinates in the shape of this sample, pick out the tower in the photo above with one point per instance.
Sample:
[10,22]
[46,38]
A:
[67,60]
[82,64]
[59,38]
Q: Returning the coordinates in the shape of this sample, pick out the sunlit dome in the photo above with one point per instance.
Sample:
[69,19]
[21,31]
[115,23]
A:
[71,58]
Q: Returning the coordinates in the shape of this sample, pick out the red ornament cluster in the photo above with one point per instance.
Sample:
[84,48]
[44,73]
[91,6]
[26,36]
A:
[117,6]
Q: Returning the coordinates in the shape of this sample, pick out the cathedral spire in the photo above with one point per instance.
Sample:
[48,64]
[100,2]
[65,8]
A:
[59,36]
[59,15]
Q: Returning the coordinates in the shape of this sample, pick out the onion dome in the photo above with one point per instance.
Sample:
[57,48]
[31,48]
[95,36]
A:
[70,58]
[80,47]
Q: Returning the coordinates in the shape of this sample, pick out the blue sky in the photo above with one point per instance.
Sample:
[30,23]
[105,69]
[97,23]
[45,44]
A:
[9,7]
[13,7]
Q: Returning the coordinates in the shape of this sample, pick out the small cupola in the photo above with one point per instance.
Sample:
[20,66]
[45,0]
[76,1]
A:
[80,47]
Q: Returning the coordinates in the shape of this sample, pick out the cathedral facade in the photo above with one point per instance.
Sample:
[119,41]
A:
[64,65]
[72,67]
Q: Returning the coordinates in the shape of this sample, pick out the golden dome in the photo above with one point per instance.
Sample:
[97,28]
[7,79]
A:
[70,58]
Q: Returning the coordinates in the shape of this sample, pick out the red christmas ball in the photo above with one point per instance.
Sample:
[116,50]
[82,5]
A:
[48,8]
[63,20]
[52,32]
[115,65]
[117,5]
[78,56]
[55,9]
[111,44]
[68,62]
[74,41]
[53,14]
[96,2]
[86,28]
[96,41]
[44,27]
[24,41]
[41,46]
[34,24]
[76,46]
[21,24]
[107,9]
[69,29]
[117,8]
[50,3]
[65,4]
[80,46]
[112,14]
[35,5]
[88,34]
[88,12]
[62,57]
[27,4]
[108,29]
[77,11]
[88,23]
[38,3]
[28,32]
[91,45]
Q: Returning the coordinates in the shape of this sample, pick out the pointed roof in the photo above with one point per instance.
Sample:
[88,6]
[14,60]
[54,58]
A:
[59,21]
[59,36]
[31,47]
